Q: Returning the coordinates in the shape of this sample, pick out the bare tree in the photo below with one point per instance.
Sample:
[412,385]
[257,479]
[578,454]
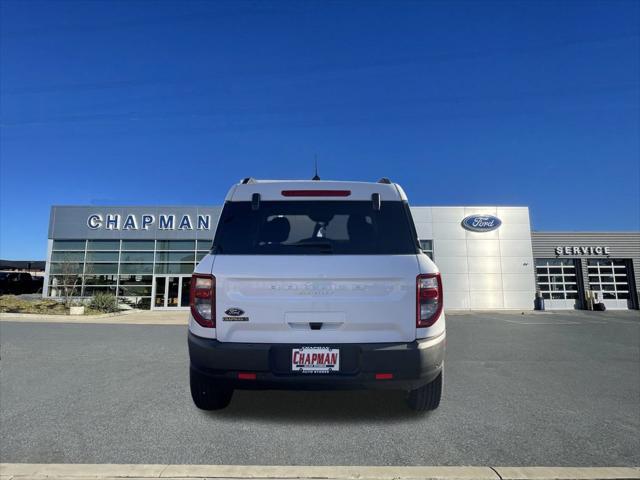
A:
[68,274]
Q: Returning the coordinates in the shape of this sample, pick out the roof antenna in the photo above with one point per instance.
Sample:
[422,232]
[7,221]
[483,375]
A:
[316,176]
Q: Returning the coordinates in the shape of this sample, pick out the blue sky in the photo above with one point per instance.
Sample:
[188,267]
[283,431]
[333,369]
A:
[463,103]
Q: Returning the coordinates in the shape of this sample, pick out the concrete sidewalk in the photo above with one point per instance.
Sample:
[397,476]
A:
[126,317]
[22,471]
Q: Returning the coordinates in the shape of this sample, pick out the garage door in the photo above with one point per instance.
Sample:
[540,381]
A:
[610,280]
[558,283]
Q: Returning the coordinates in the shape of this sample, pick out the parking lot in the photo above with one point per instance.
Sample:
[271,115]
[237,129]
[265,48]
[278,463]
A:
[533,389]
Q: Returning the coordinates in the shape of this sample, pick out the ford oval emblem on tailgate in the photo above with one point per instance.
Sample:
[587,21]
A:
[481,223]
[234,312]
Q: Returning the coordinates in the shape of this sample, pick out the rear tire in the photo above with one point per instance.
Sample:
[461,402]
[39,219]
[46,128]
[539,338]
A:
[426,397]
[207,395]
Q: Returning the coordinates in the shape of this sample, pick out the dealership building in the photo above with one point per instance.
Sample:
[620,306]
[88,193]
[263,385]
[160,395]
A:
[145,256]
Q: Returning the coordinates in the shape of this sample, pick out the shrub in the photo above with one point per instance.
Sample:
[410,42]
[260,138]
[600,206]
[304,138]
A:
[104,302]
[13,304]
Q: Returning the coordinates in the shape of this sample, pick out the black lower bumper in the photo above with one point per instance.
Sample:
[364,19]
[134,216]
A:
[411,365]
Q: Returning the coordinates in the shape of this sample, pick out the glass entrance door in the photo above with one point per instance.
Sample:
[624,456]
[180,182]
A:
[171,291]
[159,289]
[173,287]
[185,291]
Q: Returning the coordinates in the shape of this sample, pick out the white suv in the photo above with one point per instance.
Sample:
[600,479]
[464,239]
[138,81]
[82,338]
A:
[316,285]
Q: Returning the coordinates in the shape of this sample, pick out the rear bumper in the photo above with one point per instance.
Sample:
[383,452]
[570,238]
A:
[412,364]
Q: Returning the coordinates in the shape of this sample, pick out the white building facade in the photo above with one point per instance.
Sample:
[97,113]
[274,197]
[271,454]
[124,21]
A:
[488,255]
[481,270]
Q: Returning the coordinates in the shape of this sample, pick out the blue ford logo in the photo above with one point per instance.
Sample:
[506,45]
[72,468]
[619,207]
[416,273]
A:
[481,223]
[234,312]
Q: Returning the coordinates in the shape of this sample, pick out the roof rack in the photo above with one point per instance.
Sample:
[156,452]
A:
[247,180]
[384,180]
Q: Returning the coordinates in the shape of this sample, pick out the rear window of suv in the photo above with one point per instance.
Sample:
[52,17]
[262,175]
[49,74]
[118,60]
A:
[315,227]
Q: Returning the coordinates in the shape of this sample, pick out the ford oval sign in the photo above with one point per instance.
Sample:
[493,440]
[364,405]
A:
[234,312]
[481,223]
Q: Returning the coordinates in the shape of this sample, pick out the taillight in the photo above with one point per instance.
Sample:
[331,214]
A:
[203,299]
[428,299]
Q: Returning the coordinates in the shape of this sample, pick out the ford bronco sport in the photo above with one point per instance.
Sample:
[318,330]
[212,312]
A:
[316,285]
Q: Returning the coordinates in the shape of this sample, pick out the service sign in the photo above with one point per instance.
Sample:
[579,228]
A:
[583,250]
[481,223]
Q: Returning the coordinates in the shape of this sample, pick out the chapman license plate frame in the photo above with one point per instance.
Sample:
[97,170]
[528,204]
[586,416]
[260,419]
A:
[315,360]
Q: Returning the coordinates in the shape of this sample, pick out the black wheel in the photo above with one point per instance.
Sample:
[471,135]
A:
[206,395]
[426,397]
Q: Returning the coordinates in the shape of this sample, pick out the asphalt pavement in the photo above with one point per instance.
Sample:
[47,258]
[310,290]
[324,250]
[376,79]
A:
[535,389]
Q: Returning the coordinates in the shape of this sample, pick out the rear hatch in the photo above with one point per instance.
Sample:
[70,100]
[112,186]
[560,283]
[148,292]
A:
[315,272]
[308,299]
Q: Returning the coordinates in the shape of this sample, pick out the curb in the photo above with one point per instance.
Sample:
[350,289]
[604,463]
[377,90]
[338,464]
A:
[127,317]
[28,316]
[24,471]
[567,473]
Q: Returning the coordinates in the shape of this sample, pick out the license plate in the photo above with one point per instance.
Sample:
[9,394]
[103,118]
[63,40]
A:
[315,360]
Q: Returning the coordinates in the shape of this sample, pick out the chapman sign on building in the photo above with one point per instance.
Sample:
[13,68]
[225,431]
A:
[488,256]
[115,221]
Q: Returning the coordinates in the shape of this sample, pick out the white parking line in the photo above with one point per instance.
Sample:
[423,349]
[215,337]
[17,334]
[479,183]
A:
[539,323]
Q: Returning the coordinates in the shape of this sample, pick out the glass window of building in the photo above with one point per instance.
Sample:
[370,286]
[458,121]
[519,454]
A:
[100,279]
[175,257]
[102,256]
[166,268]
[67,256]
[138,245]
[556,278]
[63,287]
[103,245]
[97,268]
[136,279]
[608,278]
[66,268]
[204,245]
[69,245]
[134,291]
[137,256]
[175,245]
[427,247]
[91,291]
[139,268]
[126,269]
